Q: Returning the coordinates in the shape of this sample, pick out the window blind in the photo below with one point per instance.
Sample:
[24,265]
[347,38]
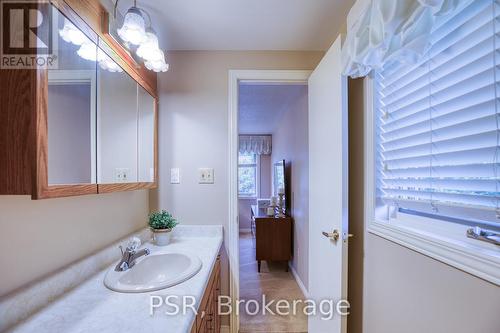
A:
[438,121]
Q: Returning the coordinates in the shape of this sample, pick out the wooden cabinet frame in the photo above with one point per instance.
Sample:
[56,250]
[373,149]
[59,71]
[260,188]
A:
[208,320]
[24,114]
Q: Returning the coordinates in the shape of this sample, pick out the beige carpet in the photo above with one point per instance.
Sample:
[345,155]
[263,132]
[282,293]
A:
[276,284]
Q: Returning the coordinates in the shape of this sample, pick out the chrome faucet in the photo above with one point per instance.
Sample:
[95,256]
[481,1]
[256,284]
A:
[130,255]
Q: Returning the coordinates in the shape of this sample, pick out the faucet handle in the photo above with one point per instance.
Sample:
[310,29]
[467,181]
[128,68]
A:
[133,244]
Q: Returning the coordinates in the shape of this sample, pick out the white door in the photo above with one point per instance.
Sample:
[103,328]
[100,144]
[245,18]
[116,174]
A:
[328,190]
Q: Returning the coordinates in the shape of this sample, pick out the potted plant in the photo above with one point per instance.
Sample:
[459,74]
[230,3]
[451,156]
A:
[161,224]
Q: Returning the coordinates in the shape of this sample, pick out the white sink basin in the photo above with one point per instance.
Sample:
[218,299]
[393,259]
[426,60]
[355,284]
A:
[153,272]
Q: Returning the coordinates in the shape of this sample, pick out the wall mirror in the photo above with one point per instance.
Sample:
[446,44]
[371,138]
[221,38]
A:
[146,136]
[117,122]
[71,115]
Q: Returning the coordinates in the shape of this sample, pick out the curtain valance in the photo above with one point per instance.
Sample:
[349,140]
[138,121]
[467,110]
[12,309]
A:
[255,144]
[392,31]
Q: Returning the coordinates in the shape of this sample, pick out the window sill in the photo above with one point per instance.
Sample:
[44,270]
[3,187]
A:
[445,242]
[242,197]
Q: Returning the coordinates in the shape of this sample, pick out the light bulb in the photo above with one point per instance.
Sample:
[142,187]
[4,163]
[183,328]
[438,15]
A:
[70,33]
[133,30]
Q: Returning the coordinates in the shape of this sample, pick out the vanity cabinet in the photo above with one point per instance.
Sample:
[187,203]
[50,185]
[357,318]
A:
[87,124]
[208,320]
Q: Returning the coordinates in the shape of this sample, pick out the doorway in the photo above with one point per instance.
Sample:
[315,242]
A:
[276,92]
[328,229]
[272,203]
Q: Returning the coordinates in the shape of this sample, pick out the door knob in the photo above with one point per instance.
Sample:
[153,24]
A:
[334,235]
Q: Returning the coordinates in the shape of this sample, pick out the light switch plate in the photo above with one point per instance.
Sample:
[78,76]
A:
[175,176]
[206,175]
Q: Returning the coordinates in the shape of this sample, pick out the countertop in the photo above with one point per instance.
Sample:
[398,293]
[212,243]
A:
[91,307]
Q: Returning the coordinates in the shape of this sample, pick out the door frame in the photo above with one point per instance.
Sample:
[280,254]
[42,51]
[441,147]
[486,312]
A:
[235,77]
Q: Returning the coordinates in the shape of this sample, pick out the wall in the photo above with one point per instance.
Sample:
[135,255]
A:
[290,142]
[406,291]
[40,237]
[264,189]
[399,290]
[193,122]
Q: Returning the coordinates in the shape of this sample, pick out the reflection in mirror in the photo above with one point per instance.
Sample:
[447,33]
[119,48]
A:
[71,106]
[117,123]
[146,112]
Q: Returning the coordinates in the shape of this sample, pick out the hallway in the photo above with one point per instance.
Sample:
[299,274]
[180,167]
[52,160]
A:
[273,282]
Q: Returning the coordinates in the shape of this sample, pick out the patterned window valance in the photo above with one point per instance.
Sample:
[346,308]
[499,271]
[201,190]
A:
[256,144]
[393,32]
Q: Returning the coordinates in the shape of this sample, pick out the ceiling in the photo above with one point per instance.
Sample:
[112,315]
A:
[262,106]
[245,24]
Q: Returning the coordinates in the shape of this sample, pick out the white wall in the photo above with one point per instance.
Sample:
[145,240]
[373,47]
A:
[290,142]
[41,236]
[193,121]
[406,291]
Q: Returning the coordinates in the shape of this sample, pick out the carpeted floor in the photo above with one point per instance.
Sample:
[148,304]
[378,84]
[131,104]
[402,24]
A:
[276,284]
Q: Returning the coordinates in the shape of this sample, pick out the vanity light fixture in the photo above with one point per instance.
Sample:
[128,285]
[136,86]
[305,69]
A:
[140,39]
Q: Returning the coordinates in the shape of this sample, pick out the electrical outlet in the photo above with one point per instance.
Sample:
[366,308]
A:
[175,176]
[206,175]
[122,175]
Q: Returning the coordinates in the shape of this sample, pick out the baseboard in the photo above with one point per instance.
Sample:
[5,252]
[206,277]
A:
[299,281]
[245,230]
[224,329]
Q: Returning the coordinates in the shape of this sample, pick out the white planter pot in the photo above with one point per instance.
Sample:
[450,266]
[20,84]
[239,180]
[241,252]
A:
[161,237]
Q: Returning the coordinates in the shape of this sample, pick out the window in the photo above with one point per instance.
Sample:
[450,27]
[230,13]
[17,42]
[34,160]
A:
[247,175]
[433,152]
[438,122]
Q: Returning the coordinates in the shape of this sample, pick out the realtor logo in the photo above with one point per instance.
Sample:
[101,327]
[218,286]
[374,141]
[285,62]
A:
[26,34]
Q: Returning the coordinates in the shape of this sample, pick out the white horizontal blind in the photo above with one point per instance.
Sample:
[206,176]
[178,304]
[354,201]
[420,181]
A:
[438,121]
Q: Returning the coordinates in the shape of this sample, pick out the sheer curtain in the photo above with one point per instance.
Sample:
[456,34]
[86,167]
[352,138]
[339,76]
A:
[255,144]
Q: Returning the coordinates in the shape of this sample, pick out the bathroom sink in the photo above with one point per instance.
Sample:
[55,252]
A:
[153,272]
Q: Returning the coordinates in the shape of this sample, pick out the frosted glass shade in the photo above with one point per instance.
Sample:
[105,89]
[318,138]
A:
[157,65]
[106,63]
[149,49]
[88,51]
[69,33]
[133,30]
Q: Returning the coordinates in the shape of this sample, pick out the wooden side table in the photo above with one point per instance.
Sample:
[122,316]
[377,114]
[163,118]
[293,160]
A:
[273,237]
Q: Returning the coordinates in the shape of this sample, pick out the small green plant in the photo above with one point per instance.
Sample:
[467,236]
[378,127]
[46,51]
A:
[162,220]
